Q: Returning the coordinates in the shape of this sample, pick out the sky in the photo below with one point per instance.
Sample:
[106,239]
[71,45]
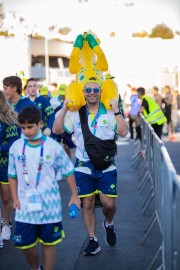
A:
[127,57]
[101,16]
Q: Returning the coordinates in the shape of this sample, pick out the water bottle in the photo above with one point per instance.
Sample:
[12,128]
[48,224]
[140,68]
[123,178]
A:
[73,210]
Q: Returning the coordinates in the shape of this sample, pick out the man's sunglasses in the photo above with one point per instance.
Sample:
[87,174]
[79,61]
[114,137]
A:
[89,90]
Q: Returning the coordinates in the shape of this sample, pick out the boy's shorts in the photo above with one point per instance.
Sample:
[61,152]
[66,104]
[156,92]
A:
[4,175]
[88,184]
[27,235]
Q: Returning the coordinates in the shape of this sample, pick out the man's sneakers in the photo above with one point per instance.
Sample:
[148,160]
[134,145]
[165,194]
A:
[110,234]
[6,232]
[1,242]
[92,248]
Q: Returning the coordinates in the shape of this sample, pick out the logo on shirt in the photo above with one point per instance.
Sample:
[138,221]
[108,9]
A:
[48,157]
[105,122]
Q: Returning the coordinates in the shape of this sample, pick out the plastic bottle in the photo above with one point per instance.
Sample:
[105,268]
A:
[73,210]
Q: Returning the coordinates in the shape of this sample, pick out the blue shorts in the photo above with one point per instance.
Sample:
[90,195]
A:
[97,181]
[4,175]
[28,235]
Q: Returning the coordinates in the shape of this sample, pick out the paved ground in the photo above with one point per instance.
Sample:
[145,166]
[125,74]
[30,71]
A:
[128,254]
[173,148]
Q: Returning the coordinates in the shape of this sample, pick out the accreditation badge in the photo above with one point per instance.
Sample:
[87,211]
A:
[34,201]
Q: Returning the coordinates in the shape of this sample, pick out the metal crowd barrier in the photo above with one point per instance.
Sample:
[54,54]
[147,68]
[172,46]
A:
[156,170]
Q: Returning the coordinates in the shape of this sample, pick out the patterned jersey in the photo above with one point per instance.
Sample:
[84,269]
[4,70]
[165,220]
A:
[8,134]
[54,157]
[47,111]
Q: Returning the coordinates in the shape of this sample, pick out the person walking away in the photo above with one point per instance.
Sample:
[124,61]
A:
[177,108]
[95,172]
[157,96]
[43,104]
[57,103]
[167,108]
[35,191]
[152,112]
[8,134]
[133,115]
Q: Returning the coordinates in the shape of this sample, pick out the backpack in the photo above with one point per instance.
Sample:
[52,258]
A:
[101,152]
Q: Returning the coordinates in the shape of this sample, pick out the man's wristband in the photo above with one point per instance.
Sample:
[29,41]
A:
[117,113]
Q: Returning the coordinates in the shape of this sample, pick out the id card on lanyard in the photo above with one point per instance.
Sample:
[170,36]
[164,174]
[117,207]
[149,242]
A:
[33,197]
[95,120]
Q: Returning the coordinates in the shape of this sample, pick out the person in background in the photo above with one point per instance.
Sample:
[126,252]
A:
[152,112]
[89,179]
[133,115]
[1,239]
[35,191]
[44,91]
[54,89]
[8,134]
[43,104]
[12,88]
[167,109]
[157,96]
[120,102]
[177,108]
[57,103]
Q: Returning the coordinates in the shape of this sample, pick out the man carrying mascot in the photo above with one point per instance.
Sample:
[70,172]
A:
[95,128]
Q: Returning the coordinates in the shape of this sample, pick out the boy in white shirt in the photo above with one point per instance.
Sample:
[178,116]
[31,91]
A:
[35,191]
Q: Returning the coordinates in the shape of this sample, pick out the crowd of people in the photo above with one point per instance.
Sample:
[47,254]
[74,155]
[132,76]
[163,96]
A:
[35,151]
[167,101]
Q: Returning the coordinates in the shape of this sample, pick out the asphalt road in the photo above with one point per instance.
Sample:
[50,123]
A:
[129,221]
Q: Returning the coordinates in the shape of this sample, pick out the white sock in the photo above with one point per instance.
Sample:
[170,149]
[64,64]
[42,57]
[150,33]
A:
[107,225]
[93,238]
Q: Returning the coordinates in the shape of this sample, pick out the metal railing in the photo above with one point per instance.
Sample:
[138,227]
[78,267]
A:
[156,169]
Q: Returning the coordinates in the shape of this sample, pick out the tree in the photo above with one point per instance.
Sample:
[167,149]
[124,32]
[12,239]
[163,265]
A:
[162,31]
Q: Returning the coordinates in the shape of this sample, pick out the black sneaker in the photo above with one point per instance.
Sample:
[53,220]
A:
[92,248]
[110,235]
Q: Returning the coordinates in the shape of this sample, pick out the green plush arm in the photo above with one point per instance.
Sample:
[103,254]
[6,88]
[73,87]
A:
[91,41]
[79,41]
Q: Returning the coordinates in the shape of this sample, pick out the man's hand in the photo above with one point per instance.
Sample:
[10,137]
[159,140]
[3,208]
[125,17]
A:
[114,105]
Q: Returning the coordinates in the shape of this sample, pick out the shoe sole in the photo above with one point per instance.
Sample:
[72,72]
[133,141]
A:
[93,253]
[6,239]
[105,236]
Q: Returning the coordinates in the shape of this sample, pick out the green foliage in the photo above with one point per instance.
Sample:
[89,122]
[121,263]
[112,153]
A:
[140,34]
[162,31]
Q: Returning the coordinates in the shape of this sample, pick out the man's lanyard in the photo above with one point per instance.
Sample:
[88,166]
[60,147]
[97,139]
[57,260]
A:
[39,165]
[95,120]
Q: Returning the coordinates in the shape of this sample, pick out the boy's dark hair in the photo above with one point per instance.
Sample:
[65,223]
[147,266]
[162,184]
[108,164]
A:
[31,79]
[141,91]
[30,115]
[13,81]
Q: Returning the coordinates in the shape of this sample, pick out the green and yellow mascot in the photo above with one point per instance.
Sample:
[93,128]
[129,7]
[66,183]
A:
[88,61]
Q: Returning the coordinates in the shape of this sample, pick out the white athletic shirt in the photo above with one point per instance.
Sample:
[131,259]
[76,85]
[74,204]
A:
[54,157]
[106,127]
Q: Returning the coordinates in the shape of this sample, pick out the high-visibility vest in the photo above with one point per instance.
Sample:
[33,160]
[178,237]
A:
[156,115]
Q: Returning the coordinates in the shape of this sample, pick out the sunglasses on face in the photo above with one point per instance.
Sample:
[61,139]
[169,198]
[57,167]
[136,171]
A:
[89,90]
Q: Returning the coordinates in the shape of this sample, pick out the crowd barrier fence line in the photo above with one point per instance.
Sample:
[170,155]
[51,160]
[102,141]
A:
[157,175]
